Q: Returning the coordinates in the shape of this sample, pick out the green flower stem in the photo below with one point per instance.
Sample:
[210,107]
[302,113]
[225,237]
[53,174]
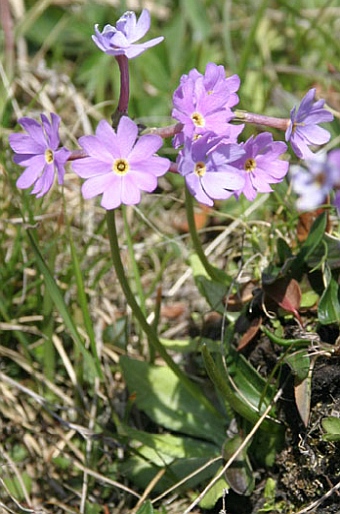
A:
[48,325]
[211,270]
[291,343]
[136,274]
[148,329]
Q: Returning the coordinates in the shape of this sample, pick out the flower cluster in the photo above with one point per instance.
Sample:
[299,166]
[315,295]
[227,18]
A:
[207,166]
[118,164]
[202,103]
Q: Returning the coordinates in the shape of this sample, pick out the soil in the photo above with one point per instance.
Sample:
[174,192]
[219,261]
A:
[308,467]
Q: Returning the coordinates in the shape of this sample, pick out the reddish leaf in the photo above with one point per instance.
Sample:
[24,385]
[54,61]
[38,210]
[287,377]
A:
[286,293]
[301,365]
[250,333]
[302,393]
[306,220]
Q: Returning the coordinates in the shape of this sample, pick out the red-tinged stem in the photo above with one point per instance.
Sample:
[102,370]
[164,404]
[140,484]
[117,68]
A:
[77,154]
[173,168]
[260,119]
[123,63]
[164,132]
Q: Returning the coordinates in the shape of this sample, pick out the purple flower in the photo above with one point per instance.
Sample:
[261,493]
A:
[38,152]
[303,130]
[260,165]
[207,165]
[119,165]
[121,39]
[314,182]
[202,103]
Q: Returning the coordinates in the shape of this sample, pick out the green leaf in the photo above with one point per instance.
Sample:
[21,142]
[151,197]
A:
[213,291]
[241,393]
[162,396]
[163,449]
[301,366]
[331,425]
[299,363]
[214,494]
[309,246]
[141,472]
[180,345]
[199,270]
[329,304]
[283,250]
[247,380]
[146,508]
[178,457]
[329,249]
[14,485]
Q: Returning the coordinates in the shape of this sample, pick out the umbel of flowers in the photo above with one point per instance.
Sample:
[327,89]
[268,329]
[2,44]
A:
[118,164]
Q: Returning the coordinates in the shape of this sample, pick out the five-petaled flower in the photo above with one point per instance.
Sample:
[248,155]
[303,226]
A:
[202,103]
[317,180]
[38,151]
[119,164]
[207,165]
[303,130]
[260,165]
[121,39]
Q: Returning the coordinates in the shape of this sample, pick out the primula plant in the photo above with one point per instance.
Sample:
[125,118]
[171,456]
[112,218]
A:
[214,432]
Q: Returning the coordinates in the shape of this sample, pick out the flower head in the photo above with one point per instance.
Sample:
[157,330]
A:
[121,39]
[207,165]
[202,103]
[303,130]
[38,151]
[260,165]
[314,182]
[119,165]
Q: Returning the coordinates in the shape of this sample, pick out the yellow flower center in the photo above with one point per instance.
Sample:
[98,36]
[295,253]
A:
[198,119]
[250,165]
[200,169]
[49,156]
[297,124]
[120,167]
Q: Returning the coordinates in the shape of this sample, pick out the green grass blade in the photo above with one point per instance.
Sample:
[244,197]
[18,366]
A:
[62,308]
[81,295]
